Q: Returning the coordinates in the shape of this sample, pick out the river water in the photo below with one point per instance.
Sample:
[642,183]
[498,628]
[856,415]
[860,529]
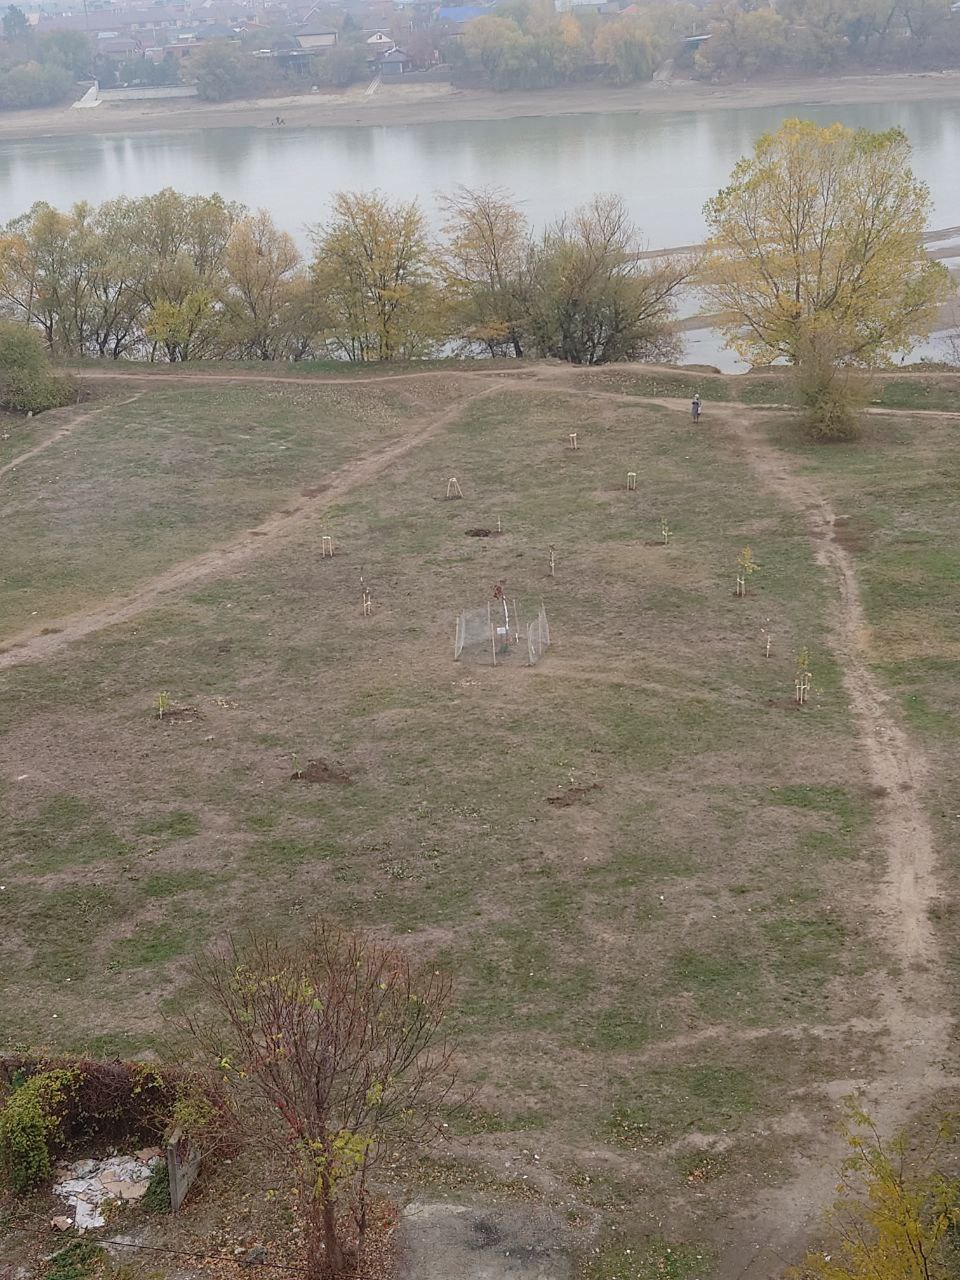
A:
[664,164]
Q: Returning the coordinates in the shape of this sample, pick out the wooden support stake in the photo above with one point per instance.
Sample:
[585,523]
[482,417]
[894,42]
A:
[766,652]
[573,440]
[367,604]
[553,563]
[665,531]
[499,525]
[326,547]
[493,636]
[631,481]
[741,585]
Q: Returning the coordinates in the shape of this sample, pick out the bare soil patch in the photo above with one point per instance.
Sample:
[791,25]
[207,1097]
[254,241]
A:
[178,715]
[321,771]
[848,534]
[574,795]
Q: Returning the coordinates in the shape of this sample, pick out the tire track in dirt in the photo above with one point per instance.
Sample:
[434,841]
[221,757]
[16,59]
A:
[911,1006]
[76,420]
[33,646]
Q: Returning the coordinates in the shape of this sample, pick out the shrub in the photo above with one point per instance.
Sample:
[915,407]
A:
[78,1261]
[27,383]
[157,1196]
[32,85]
[831,396]
[49,1106]
[30,1124]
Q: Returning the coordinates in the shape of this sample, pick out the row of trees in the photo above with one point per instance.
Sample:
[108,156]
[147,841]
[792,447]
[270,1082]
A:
[224,70]
[526,45]
[174,277]
[39,70]
[820,36]
[815,259]
[42,69]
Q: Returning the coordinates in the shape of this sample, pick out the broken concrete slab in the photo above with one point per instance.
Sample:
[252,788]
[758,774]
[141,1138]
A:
[87,1185]
[486,1242]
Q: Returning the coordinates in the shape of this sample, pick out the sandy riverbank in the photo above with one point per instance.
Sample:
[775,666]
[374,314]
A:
[406,104]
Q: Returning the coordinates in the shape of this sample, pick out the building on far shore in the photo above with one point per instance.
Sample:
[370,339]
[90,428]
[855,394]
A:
[313,36]
[394,63]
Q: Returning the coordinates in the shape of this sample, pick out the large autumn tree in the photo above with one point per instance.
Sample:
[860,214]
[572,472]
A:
[374,271]
[816,256]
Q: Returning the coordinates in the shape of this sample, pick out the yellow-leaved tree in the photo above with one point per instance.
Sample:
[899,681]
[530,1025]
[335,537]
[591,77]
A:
[263,296]
[816,257]
[374,273]
[895,1214]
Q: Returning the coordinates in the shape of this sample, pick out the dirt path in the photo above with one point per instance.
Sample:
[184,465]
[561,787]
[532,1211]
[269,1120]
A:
[74,420]
[912,1004]
[172,374]
[782,1223]
[31,646]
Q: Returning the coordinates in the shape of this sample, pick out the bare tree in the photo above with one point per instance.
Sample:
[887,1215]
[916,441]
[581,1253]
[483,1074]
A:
[593,298]
[333,1047]
[483,262]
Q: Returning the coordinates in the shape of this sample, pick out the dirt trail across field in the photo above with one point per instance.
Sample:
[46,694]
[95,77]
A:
[32,646]
[230,376]
[781,1224]
[73,420]
[918,1031]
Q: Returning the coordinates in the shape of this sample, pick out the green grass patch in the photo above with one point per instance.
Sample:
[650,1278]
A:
[168,884]
[65,832]
[174,824]
[150,946]
[645,1260]
[79,1260]
[472,1120]
[667,1102]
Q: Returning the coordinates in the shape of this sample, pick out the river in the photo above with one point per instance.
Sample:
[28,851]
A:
[664,164]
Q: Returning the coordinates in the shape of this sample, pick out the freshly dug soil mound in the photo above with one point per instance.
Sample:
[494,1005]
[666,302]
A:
[321,771]
[179,713]
[574,795]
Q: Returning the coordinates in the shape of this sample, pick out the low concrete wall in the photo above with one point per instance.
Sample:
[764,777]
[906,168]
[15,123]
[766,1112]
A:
[433,75]
[143,93]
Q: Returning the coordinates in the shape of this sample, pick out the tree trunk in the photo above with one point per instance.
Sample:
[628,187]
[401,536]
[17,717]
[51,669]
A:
[325,1256]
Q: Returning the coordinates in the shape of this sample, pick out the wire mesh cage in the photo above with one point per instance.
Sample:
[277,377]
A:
[538,637]
[496,633]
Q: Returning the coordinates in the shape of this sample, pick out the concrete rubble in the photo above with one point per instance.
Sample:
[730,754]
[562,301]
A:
[88,1186]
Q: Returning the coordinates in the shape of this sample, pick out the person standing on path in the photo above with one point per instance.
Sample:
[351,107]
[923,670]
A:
[695,407]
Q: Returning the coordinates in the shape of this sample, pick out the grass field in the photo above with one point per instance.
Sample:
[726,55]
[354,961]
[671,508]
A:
[662,981]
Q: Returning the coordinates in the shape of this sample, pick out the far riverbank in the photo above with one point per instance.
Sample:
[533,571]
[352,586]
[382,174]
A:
[407,104]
